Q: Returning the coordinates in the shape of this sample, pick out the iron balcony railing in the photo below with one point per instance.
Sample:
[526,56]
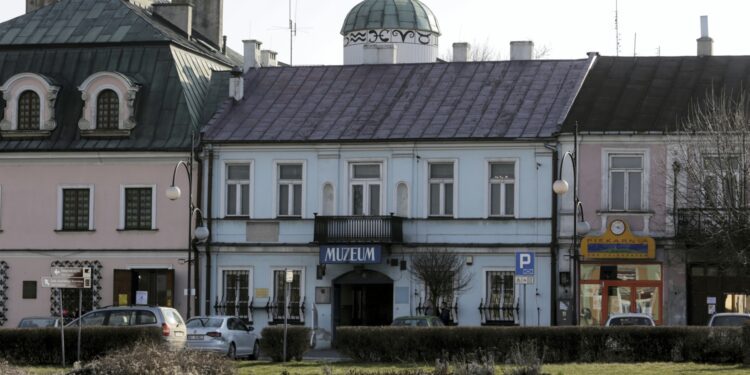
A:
[693,222]
[359,229]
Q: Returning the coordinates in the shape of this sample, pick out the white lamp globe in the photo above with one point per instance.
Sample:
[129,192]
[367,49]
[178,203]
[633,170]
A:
[560,187]
[583,227]
[201,233]
[173,192]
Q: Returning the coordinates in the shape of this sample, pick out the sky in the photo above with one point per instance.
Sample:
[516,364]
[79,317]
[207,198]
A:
[564,28]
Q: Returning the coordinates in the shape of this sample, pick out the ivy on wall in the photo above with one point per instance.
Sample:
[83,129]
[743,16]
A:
[3,291]
[91,297]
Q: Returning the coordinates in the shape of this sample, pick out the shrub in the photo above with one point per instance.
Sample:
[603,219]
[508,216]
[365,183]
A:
[42,346]
[7,369]
[746,342]
[272,342]
[157,358]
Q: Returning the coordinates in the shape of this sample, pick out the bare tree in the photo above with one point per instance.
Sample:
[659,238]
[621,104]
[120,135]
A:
[486,52]
[443,274]
[711,153]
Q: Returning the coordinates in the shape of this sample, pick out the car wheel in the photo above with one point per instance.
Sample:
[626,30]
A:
[232,353]
[256,351]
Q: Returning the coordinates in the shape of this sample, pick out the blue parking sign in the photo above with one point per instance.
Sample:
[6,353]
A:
[525,264]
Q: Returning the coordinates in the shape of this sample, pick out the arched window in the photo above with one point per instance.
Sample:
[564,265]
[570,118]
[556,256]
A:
[402,200]
[28,111]
[107,110]
[328,200]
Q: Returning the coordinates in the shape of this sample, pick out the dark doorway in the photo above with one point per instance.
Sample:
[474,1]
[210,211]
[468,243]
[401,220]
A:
[363,298]
[157,283]
[728,289]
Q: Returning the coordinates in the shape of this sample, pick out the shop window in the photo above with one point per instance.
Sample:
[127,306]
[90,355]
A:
[138,208]
[238,189]
[502,189]
[737,303]
[29,290]
[28,111]
[625,182]
[75,210]
[365,185]
[441,189]
[295,296]
[30,106]
[290,190]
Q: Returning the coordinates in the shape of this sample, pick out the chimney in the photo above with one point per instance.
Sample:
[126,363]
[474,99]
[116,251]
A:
[252,54]
[179,13]
[32,5]
[461,52]
[268,58]
[379,54]
[208,20]
[522,50]
[705,43]
[236,84]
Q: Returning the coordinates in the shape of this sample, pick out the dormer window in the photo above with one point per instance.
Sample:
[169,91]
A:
[109,105]
[30,106]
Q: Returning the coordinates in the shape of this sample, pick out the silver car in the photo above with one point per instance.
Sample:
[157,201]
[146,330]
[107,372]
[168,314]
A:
[630,319]
[223,334]
[729,320]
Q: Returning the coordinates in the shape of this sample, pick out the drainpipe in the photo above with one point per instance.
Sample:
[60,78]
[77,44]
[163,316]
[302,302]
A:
[209,213]
[554,239]
[196,255]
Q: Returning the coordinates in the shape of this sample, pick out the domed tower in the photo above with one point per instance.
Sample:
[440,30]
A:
[390,32]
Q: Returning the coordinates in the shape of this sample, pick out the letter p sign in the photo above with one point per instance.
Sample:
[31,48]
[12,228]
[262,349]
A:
[525,264]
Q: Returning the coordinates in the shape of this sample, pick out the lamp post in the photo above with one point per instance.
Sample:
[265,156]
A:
[560,187]
[201,232]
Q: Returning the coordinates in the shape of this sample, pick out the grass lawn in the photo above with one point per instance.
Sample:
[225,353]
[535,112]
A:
[340,368]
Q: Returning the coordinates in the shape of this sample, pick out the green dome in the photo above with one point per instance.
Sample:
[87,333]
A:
[390,14]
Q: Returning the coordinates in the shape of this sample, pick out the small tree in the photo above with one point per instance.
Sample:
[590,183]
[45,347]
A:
[442,272]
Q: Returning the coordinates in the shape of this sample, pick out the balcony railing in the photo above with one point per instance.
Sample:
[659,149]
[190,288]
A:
[698,221]
[359,229]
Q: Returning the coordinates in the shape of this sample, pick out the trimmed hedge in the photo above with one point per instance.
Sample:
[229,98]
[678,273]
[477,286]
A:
[746,342]
[30,347]
[554,344]
[297,342]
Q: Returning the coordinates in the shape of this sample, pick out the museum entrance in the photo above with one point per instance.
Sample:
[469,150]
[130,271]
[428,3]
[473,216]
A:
[362,298]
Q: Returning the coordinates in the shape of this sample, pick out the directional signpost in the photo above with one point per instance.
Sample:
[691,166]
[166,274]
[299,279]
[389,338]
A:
[69,278]
[525,263]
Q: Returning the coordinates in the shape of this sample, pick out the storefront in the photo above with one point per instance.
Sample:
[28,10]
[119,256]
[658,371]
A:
[716,290]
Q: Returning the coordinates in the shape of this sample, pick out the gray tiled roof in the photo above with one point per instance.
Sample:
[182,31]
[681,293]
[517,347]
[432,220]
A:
[651,94]
[390,14]
[434,101]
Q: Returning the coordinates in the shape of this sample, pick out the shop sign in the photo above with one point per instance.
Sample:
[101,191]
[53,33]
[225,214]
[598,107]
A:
[350,254]
[618,243]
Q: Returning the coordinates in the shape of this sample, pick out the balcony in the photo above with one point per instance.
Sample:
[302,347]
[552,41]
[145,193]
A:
[359,229]
[693,222]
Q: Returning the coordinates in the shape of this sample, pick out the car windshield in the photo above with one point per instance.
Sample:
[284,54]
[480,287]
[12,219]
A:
[415,322]
[205,322]
[630,321]
[729,321]
[37,323]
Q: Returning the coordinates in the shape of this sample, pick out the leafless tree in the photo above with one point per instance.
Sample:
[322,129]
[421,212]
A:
[443,274]
[712,164]
[486,52]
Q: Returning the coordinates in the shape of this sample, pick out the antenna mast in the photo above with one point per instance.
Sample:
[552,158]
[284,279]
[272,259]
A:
[292,34]
[617,28]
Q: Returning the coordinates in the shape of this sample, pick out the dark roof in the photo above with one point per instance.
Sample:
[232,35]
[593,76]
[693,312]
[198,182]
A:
[390,14]
[440,101]
[98,22]
[651,94]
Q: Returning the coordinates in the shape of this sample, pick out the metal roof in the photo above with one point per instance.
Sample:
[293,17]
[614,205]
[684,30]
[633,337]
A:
[433,101]
[651,94]
[390,14]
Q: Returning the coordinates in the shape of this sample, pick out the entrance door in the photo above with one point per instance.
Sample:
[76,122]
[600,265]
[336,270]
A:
[622,297]
[158,284]
[363,298]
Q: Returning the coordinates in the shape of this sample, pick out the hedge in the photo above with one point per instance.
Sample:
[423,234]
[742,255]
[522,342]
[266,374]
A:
[297,339]
[746,342]
[30,347]
[553,344]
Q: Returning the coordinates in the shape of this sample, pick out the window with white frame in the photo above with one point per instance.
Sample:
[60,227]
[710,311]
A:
[76,208]
[626,182]
[30,106]
[108,105]
[238,189]
[290,190]
[721,185]
[235,293]
[138,208]
[501,298]
[502,188]
[441,188]
[365,188]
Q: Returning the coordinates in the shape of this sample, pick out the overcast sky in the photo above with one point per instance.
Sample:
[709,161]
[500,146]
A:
[566,28]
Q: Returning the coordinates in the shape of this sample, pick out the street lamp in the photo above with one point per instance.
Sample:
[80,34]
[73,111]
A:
[201,232]
[580,228]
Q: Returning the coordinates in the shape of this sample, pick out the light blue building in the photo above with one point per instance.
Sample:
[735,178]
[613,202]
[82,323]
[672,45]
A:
[342,174]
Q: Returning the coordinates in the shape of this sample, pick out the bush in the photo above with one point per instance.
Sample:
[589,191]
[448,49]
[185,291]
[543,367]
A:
[552,344]
[157,358]
[7,369]
[746,342]
[272,342]
[42,346]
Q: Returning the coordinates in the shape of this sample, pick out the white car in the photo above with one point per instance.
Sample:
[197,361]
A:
[630,319]
[728,320]
[223,334]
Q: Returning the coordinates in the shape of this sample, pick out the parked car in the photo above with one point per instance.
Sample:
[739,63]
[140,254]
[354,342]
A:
[630,319]
[223,334]
[418,321]
[171,323]
[728,320]
[40,322]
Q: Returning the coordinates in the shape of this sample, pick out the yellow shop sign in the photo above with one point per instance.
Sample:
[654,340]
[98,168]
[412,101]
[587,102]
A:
[618,243]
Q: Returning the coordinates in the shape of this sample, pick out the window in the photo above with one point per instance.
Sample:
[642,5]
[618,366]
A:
[29,290]
[295,295]
[441,189]
[721,185]
[290,189]
[502,189]
[76,209]
[238,189]
[107,110]
[366,189]
[500,295]
[94,319]
[138,208]
[236,292]
[28,111]
[625,182]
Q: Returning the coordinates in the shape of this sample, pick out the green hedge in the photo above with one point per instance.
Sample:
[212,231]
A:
[42,346]
[272,342]
[554,344]
[746,342]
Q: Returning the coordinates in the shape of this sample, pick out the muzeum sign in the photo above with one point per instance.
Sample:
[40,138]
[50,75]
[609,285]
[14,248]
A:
[351,254]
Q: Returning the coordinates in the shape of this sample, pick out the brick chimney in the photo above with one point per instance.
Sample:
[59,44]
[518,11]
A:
[208,20]
[179,13]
